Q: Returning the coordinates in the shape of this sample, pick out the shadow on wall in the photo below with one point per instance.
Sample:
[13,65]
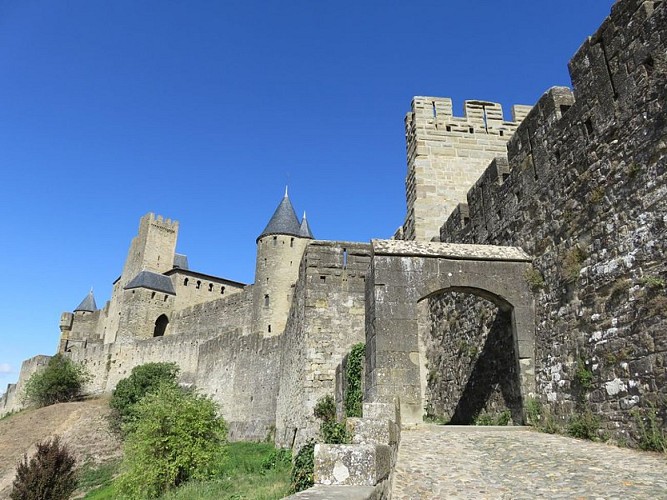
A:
[495,369]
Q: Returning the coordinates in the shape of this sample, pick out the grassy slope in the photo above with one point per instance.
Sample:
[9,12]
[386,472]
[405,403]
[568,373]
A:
[82,426]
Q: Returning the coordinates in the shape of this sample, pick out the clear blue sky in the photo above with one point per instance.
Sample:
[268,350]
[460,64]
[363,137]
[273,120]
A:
[203,111]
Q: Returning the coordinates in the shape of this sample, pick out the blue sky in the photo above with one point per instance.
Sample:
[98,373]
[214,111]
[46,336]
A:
[203,111]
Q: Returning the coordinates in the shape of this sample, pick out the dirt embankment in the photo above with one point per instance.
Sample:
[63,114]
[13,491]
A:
[81,425]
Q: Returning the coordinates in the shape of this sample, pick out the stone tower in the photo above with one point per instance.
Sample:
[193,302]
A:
[279,251]
[446,155]
[151,251]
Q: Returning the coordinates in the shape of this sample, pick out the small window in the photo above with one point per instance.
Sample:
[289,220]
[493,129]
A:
[275,241]
[269,329]
[466,221]
[323,278]
[448,128]
[210,287]
[153,295]
[589,126]
[185,282]
[344,257]
[198,284]
[506,176]
[266,300]
[471,130]
[222,290]
[291,242]
[166,297]
[502,133]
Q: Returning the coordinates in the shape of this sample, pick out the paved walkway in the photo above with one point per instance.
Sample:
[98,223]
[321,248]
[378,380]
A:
[454,462]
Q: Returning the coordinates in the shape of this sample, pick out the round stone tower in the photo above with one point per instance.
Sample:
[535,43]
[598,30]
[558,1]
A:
[279,251]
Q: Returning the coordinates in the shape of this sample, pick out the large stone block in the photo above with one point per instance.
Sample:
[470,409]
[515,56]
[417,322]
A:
[351,464]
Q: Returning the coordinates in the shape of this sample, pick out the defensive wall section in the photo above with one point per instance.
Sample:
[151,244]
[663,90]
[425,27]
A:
[583,191]
[325,321]
[446,154]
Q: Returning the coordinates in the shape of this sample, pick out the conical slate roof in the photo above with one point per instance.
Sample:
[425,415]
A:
[283,221]
[88,304]
[304,230]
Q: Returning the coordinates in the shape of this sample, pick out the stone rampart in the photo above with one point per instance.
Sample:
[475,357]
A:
[586,195]
[326,319]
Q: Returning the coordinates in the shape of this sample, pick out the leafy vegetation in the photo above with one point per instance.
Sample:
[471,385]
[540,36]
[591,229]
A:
[177,436]
[652,282]
[583,377]
[331,431]
[534,279]
[50,473]
[143,380]
[584,425]
[571,264]
[303,468]
[488,419]
[651,436]
[353,400]
[61,381]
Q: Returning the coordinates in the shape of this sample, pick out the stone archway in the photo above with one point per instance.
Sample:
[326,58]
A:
[404,273]
[161,324]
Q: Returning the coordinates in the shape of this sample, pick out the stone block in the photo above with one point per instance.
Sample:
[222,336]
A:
[351,464]
[371,431]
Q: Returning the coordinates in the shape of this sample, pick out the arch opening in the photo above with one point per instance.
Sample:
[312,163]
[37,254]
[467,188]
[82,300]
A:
[161,324]
[470,359]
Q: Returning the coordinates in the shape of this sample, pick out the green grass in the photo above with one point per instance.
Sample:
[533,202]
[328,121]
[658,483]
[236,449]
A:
[97,480]
[252,471]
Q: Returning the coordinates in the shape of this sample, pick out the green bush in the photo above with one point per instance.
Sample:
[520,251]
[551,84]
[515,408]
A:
[277,458]
[61,381]
[651,436]
[353,400]
[325,408]
[143,380]
[331,431]
[303,468]
[48,474]
[177,436]
[584,425]
[533,411]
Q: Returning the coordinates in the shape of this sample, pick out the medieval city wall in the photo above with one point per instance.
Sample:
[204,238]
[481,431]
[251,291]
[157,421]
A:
[241,373]
[325,321]
[584,192]
[12,399]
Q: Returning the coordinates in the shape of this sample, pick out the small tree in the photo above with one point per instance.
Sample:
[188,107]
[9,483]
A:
[143,380]
[177,436]
[61,381]
[48,474]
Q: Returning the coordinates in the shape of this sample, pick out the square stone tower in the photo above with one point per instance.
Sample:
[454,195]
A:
[446,154]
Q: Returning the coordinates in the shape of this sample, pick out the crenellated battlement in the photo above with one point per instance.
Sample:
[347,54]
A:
[446,154]
[161,222]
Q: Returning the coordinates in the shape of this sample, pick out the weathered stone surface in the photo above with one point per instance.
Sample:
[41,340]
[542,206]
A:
[321,492]
[351,464]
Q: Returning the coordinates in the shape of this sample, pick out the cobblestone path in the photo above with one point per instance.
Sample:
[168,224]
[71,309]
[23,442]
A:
[455,462]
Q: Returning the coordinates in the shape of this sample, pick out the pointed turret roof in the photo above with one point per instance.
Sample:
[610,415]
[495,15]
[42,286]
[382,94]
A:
[283,221]
[88,304]
[304,230]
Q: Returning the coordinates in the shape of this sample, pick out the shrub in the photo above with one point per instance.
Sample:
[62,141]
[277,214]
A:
[571,264]
[177,436]
[48,474]
[584,425]
[303,468]
[331,431]
[61,381]
[534,279]
[325,408]
[651,436]
[583,376]
[143,380]
[533,411]
[353,400]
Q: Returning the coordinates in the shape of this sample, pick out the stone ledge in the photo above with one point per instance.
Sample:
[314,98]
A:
[449,250]
[321,492]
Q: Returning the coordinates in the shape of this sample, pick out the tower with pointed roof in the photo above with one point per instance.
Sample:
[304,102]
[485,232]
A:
[279,250]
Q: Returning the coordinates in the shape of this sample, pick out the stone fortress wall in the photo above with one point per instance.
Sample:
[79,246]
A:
[579,184]
[583,190]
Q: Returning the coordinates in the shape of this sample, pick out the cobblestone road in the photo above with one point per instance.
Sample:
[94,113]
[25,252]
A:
[455,462]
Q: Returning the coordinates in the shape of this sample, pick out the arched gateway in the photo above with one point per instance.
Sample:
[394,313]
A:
[403,273]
